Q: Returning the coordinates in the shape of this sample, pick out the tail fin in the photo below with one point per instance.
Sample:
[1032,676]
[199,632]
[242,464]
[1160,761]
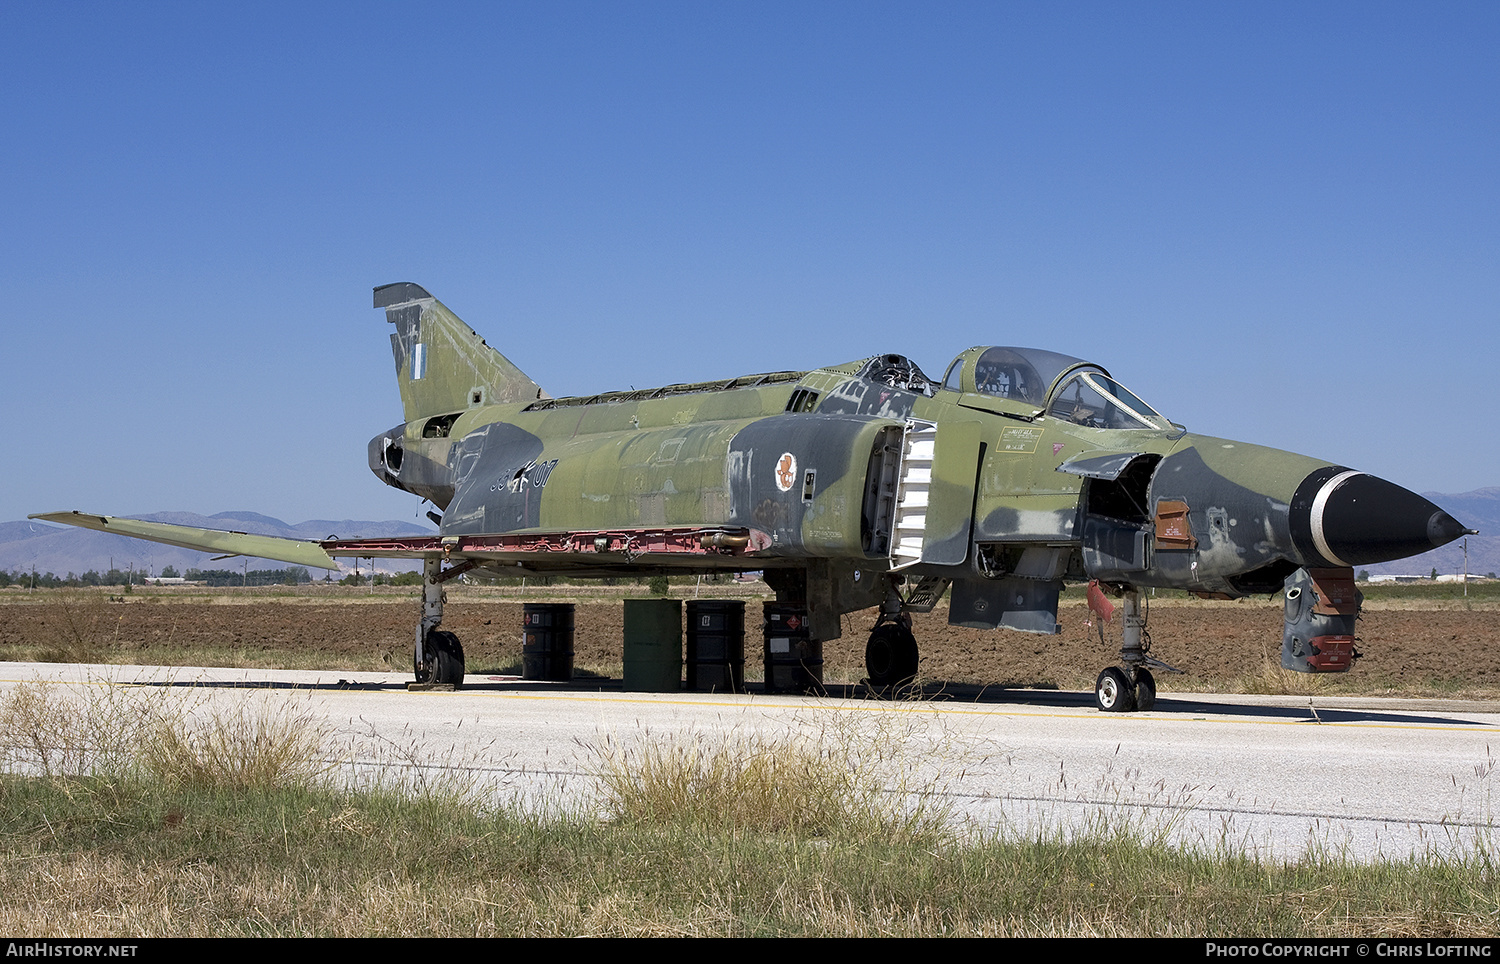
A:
[442,366]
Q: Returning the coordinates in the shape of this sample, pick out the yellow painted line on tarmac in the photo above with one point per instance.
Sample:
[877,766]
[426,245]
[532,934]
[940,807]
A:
[871,706]
[73,682]
[951,709]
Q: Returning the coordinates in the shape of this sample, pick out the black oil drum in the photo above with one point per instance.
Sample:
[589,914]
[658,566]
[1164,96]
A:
[716,645]
[547,641]
[794,661]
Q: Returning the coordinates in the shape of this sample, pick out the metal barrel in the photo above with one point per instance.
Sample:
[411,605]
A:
[547,641]
[653,645]
[794,661]
[716,645]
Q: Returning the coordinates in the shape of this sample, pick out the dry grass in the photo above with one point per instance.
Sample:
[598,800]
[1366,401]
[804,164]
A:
[831,782]
[1271,679]
[85,634]
[52,730]
[238,749]
[103,729]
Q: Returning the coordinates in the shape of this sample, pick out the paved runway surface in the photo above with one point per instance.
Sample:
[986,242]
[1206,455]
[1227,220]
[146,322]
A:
[1264,774]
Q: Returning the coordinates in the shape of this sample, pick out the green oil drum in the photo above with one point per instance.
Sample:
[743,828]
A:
[653,645]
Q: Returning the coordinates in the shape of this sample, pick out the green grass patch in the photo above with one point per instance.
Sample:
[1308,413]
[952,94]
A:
[1487,590]
[99,857]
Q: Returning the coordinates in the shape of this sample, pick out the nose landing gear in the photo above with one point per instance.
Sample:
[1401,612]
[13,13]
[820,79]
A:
[1129,686]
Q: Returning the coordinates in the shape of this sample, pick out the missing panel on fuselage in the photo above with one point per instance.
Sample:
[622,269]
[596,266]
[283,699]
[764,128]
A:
[1117,522]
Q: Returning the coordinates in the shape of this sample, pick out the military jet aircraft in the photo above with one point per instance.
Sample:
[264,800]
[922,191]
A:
[856,486]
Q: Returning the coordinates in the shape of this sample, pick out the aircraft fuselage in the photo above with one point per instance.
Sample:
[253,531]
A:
[826,470]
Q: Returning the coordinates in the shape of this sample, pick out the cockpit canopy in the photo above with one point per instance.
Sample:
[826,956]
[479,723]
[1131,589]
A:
[1054,384]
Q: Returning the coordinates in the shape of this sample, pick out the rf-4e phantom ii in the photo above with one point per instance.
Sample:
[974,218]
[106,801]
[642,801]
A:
[861,485]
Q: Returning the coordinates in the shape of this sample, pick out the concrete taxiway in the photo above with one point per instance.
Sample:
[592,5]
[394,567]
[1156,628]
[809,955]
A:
[1267,775]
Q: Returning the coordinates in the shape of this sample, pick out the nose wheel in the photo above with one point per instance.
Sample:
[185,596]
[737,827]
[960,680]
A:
[1115,693]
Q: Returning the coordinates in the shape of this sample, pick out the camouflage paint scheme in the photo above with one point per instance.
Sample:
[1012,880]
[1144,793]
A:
[1012,496]
[1034,467]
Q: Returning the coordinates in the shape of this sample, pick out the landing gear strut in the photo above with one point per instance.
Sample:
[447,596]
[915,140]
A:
[891,654]
[438,656]
[1129,686]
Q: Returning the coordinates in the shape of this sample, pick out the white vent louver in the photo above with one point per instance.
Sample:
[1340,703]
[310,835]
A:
[912,492]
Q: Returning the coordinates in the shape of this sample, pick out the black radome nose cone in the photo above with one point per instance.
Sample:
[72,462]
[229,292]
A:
[1344,518]
[1442,528]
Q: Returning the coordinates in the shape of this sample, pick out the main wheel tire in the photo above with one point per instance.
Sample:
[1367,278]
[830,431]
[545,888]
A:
[445,659]
[891,655]
[448,667]
[1113,692]
[1145,689]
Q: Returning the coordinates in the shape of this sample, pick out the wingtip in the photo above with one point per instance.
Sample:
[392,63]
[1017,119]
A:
[62,514]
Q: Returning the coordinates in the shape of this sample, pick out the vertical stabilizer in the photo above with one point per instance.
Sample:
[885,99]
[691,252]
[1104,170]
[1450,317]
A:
[442,366]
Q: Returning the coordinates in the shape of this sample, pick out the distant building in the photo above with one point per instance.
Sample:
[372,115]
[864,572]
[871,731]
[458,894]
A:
[1442,577]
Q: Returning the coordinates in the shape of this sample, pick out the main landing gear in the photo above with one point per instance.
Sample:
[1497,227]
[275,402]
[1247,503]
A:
[442,660]
[438,657]
[1129,686]
[891,654]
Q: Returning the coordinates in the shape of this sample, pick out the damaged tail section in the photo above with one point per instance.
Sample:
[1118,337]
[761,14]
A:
[442,366]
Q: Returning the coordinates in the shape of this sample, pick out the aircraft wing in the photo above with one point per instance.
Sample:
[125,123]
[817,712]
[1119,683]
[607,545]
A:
[710,547]
[207,540]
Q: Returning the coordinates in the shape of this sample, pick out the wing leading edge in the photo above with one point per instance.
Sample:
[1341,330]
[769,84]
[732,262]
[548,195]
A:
[708,549]
[207,540]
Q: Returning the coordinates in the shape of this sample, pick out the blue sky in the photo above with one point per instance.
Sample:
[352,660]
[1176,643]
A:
[1277,222]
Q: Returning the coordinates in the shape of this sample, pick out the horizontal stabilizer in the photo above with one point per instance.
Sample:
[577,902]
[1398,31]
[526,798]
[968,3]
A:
[207,540]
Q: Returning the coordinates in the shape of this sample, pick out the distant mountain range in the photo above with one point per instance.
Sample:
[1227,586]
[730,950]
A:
[63,549]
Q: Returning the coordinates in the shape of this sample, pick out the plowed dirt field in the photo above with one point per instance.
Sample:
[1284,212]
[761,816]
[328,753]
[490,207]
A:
[1225,646]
